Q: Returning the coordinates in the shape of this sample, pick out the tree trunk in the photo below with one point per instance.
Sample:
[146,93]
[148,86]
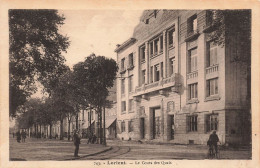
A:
[50,131]
[69,120]
[90,129]
[104,126]
[61,129]
[40,131]
[77,121]
[35,130]
[100,126]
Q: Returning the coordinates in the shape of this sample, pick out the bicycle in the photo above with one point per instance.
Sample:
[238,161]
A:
[213,152]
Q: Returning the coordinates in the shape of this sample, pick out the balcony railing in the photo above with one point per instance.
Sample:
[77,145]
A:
[212,69]
[163,83]
[192,75]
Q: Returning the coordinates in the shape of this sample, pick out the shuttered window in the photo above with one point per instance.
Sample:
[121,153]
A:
[193,91]
[192,123]
[212,87]
[212,54]
[192,60]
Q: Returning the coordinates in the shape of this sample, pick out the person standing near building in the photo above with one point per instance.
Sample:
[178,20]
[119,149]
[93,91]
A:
[213,142]
[76,140]
[18,136]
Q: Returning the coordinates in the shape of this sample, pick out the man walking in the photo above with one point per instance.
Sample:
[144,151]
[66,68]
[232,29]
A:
[76,140]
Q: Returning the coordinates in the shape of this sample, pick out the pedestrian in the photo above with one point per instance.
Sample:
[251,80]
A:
[213,142]
[18,136]
[23,136]
[90,138]
[94,139]
[13,135]
[76,140]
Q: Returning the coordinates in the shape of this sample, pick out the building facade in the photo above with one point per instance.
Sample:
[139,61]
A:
[177,85]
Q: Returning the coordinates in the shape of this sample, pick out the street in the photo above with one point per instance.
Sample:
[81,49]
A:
[46,149]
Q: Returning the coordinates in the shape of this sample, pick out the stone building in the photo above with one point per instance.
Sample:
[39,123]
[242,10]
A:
[177,85]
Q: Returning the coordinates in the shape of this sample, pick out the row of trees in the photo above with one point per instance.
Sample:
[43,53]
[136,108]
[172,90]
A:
[84,86]
[35,53]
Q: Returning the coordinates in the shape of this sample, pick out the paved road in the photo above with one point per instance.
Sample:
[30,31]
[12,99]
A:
[136,151]
[44,149]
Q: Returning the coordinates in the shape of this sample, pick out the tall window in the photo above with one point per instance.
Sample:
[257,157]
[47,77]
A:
[172,65]
[130,126]
[161,44]
[123,106]
[151,78]
[192,60]
[123,64]
[123,86]
[171,35]
[192,24]
[211,122]
[123,126]
[142,53]
[131,105]
[192,123]
[151,48]
[193,91]
[212,87]
[156,72]
[131,60]
[143,77]
[212,54]
[130,86]
[156,46]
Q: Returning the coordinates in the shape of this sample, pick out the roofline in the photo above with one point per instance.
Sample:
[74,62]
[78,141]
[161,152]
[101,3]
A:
[126,43]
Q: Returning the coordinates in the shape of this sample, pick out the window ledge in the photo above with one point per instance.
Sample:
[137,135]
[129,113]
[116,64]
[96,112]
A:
[123,112]
[123,71]
[142,61]
[192,101]
[130,67]
[132,111]
[172,46]
[212,98]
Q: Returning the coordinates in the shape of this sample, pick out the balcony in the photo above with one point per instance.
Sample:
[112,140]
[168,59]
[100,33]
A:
[151,87]
[191,35]
[122,70]
[212,69]
[210,26]
[192,75]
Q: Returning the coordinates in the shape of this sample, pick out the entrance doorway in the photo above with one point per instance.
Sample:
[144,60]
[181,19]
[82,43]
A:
[142,130]
[172,126]
[156,122]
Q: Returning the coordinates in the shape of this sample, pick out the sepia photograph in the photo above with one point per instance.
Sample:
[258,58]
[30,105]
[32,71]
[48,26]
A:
[118,85]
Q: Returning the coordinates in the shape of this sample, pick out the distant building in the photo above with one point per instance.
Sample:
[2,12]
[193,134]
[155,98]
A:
[177,85]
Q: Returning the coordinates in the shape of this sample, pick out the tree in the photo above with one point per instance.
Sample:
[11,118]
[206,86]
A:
[94,76]
[230,24]
[35,52]
[63,97]
[234,26]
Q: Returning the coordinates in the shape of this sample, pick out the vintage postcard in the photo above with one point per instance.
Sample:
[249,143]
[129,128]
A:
[129,84]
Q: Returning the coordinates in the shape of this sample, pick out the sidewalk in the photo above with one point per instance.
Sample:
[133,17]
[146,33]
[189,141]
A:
[51,149]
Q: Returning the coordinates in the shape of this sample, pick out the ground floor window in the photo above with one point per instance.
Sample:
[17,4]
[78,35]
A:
[130,126]
[211,122]
[192,123]
[123,126]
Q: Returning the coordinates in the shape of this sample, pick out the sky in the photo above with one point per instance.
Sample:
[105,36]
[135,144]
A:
[97,31]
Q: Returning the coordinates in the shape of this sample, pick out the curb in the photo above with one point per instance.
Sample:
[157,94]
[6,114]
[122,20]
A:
[93,154]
